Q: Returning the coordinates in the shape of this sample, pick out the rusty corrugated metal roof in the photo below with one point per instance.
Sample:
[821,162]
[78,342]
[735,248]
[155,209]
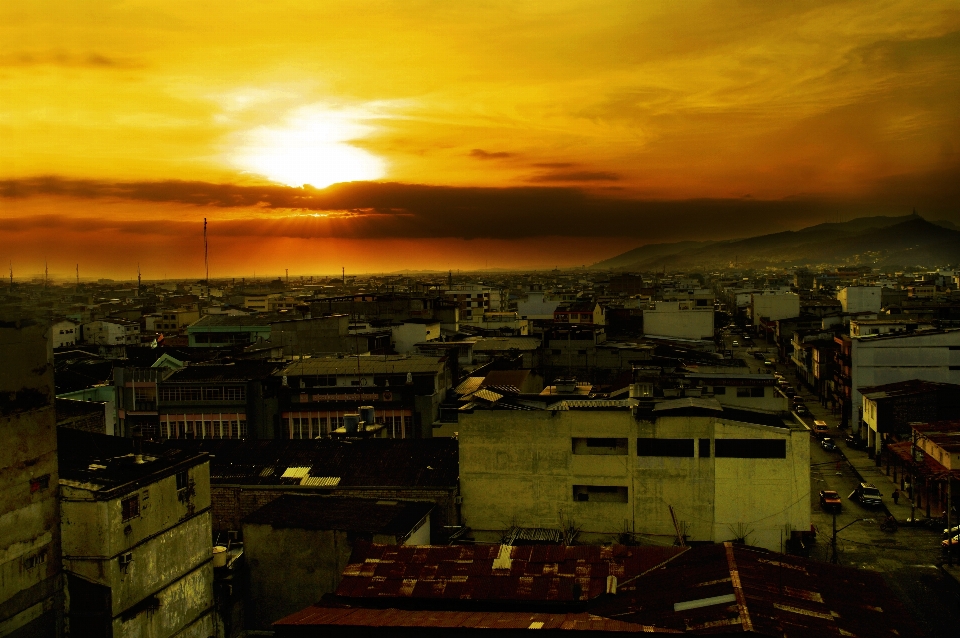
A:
[493,620]
[494,572]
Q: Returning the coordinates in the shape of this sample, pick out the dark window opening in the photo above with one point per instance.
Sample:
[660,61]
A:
[130,507]
[600,493]
[750,448]
[183,480]
[665,447]
[719,389]
[599,446]
[704,448]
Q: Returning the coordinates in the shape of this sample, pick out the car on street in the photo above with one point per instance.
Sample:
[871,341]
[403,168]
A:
[736,343]
[868,495]
[820,428]
[758,356]
[953,531]
[801,410]
[948,542]
[769,363]
[830,501]
[827,444]
[853,441]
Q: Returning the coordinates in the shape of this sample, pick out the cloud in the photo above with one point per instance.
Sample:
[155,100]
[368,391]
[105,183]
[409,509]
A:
[90,59]
[553,164]
[481,154]
[576,176]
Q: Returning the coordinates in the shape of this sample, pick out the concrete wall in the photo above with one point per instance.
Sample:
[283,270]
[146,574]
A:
[170,544]
[290,569]
[860,298]
[30,563]
[679,319]
[518,468]
[774,306]
[927,357]
[536,307]
[406,335]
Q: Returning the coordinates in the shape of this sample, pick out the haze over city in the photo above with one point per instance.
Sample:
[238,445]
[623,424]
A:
[416,135]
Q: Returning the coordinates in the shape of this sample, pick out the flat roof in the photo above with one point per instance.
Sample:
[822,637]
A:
[363,515]
[365,364]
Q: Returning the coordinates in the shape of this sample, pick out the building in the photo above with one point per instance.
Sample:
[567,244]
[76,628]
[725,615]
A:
[89,416]
[773,306]
[679,319]
[889,411]
[246,475]
[855,299]
[31,586]
[536,306]
[404,391]
[587,313]
[113,332]
[176,320]
[136,538]
[408,334]
[220,401]
[880,359]
[298,546]
[609,468]
[65,333]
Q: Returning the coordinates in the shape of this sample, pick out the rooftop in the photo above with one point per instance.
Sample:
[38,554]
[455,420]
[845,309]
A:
[389,364]
[905,388]
[106,465]
[239,371]
[362,515]
[329,462]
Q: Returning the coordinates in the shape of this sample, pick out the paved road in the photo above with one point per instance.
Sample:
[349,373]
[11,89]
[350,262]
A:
[908,558]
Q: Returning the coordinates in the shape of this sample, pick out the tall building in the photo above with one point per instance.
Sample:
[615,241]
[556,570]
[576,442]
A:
[31,588]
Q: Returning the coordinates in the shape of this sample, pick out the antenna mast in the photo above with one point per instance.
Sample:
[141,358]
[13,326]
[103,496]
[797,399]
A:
[206,262]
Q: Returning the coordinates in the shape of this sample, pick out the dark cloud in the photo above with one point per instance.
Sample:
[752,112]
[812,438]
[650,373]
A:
[576,176]
[376,210]
[481,154]
[553,164]
[63,58]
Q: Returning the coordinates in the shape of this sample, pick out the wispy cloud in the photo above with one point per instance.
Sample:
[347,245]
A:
[481,154]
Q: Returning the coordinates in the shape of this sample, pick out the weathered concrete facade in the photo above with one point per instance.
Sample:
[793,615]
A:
[31,588]
[137,544]
[607,471]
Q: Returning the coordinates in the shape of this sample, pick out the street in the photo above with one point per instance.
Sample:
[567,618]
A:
[909,558]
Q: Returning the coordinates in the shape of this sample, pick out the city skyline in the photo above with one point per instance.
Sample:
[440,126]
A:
[437,137]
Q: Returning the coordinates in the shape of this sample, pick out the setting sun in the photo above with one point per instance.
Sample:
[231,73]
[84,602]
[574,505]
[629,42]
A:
[312,147]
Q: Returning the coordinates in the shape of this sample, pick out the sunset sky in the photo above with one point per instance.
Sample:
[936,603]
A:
[382,136]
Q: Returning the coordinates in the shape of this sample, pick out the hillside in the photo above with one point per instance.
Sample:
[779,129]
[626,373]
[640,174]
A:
[908,240]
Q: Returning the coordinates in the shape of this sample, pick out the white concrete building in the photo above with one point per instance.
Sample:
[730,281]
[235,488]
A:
[879,359]
[855,299]
[65,333]
[115,332]
[773,306]
[408,334]
[727,473]
[678,319]
[536,306]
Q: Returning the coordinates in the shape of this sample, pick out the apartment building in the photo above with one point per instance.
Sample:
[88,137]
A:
[136,535]
[679,320]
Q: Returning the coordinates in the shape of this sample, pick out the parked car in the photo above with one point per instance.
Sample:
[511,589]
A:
[735,343]
[953,531]
[853,442]
[951,542]
[868,495]
[758,356]
[801,410]
[827,444]
[769,363]
[820,428]
[830,500]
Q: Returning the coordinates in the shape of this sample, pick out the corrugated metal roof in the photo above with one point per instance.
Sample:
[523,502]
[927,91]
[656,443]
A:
[487,395]
[321,481]
[491,572]
[493,620]
[296,472]
[470,384]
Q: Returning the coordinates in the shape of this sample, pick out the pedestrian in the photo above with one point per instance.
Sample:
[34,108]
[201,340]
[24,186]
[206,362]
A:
[896,496]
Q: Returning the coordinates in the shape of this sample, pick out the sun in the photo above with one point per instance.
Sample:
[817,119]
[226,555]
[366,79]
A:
[313,147]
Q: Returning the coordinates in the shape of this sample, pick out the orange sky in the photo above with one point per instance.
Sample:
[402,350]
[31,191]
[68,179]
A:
[500,133]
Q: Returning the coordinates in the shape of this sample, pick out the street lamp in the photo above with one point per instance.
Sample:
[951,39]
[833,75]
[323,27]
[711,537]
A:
[833,541]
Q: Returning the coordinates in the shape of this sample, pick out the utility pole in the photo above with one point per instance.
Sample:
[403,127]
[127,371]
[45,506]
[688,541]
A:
[833,540]
[343,274]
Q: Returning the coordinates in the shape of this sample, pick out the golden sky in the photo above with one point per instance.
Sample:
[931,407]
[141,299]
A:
[487,133]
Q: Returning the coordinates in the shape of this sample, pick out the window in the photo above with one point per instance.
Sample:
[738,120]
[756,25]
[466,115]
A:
[665,447]
[130,507]
[600,493]
[212,394]
[234,394]
[750,392]
[704,448]
[600,446]
[719,389]
[183,480]
[35,560]
[750,448]
[39,483]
